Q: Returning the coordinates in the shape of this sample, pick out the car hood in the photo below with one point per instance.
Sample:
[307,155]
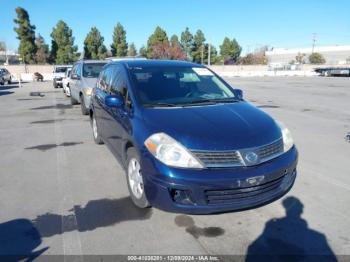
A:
[89,82]
[214,127]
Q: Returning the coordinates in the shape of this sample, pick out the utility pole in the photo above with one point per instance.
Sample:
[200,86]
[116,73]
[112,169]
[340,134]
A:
[209,46]
[202,55]
[313,42]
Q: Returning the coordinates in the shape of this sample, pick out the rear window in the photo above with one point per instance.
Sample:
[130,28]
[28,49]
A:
[60,69]
[92,70]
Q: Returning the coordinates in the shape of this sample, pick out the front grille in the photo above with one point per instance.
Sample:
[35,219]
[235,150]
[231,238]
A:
[271,149]
[237,157]
[219,158]
[231,196]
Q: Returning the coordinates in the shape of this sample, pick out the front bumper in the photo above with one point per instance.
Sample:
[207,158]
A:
[217,190]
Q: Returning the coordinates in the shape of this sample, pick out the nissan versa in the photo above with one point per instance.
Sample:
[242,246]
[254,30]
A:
[187,140]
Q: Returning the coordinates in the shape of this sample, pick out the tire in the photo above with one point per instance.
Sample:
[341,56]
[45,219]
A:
[2,82]
[95,131]
[9,81]
[73,101]
[55,84]
[84,110]
[135,180]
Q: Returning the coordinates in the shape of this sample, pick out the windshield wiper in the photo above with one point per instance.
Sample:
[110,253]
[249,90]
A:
[160,104]
[212,101]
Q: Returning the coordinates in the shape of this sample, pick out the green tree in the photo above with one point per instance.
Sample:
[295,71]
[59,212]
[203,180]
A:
[187,42]
[198,48]
[159,36]
[316,58]
[132,50]
[119,47]
[26,36]
[63,50]
[42,50]
[300,58]
[143,51]
[2,46]
[230,50]
[174,41]
[93,45]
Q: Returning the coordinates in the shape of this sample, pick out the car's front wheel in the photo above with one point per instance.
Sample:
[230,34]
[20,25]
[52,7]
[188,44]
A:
[9,81]
[135,179]
[97,138]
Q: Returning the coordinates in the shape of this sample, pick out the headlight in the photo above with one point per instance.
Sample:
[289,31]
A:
[170,152]
[87,91]
[287,137]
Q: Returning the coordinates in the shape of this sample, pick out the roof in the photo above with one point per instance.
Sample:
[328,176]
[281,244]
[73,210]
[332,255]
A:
[92,61]
[157,63]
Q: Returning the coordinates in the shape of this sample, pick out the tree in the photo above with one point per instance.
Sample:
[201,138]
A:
[42,50]
[198,47]
[316,58]
[26,36]
[187,42]
[63,50]
[159,36]
[93,45]
[2,46]
[132,50]
[143,51]
[256,58]
[119,47]
[167,51]
[230,50]
[300,58]
[174,40]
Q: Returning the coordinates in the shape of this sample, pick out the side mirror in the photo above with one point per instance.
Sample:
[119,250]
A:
[75,76]
[113,100]
[238,93]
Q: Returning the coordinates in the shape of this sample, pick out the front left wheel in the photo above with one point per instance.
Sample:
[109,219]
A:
[135,179]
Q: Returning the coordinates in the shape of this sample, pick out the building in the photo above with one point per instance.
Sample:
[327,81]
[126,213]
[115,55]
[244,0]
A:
[334,55]
[9,57]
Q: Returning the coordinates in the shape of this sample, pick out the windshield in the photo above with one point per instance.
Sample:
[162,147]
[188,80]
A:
[179,86]
[92,70]
[61,69]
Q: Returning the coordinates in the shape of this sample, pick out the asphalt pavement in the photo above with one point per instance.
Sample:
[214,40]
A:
[62,194]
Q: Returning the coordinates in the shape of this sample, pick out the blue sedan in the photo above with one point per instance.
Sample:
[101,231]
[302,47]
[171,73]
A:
[188,141]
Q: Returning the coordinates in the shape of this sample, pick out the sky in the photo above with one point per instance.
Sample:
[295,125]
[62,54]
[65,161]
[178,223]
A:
[254,23]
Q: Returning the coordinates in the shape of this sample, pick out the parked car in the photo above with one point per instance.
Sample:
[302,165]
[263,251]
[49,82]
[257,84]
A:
[58,74]
[83,78]
[188,141]
[5,76]
[38,77]
[65,82]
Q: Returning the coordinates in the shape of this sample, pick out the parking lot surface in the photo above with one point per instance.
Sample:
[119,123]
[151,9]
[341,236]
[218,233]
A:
[62,194]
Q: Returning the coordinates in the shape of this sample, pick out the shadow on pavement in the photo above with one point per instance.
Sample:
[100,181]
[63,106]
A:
[20,237]
[96,214]
[4,93]
[46,147]
[290,239]
[18,240]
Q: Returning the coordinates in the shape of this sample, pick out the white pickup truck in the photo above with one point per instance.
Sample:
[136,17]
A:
[59,73]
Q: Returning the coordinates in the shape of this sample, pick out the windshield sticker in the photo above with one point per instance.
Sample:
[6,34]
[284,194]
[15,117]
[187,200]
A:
[202,71]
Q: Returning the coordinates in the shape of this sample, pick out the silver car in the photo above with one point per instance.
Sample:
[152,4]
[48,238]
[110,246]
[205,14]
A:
[5,76]
[83,78]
